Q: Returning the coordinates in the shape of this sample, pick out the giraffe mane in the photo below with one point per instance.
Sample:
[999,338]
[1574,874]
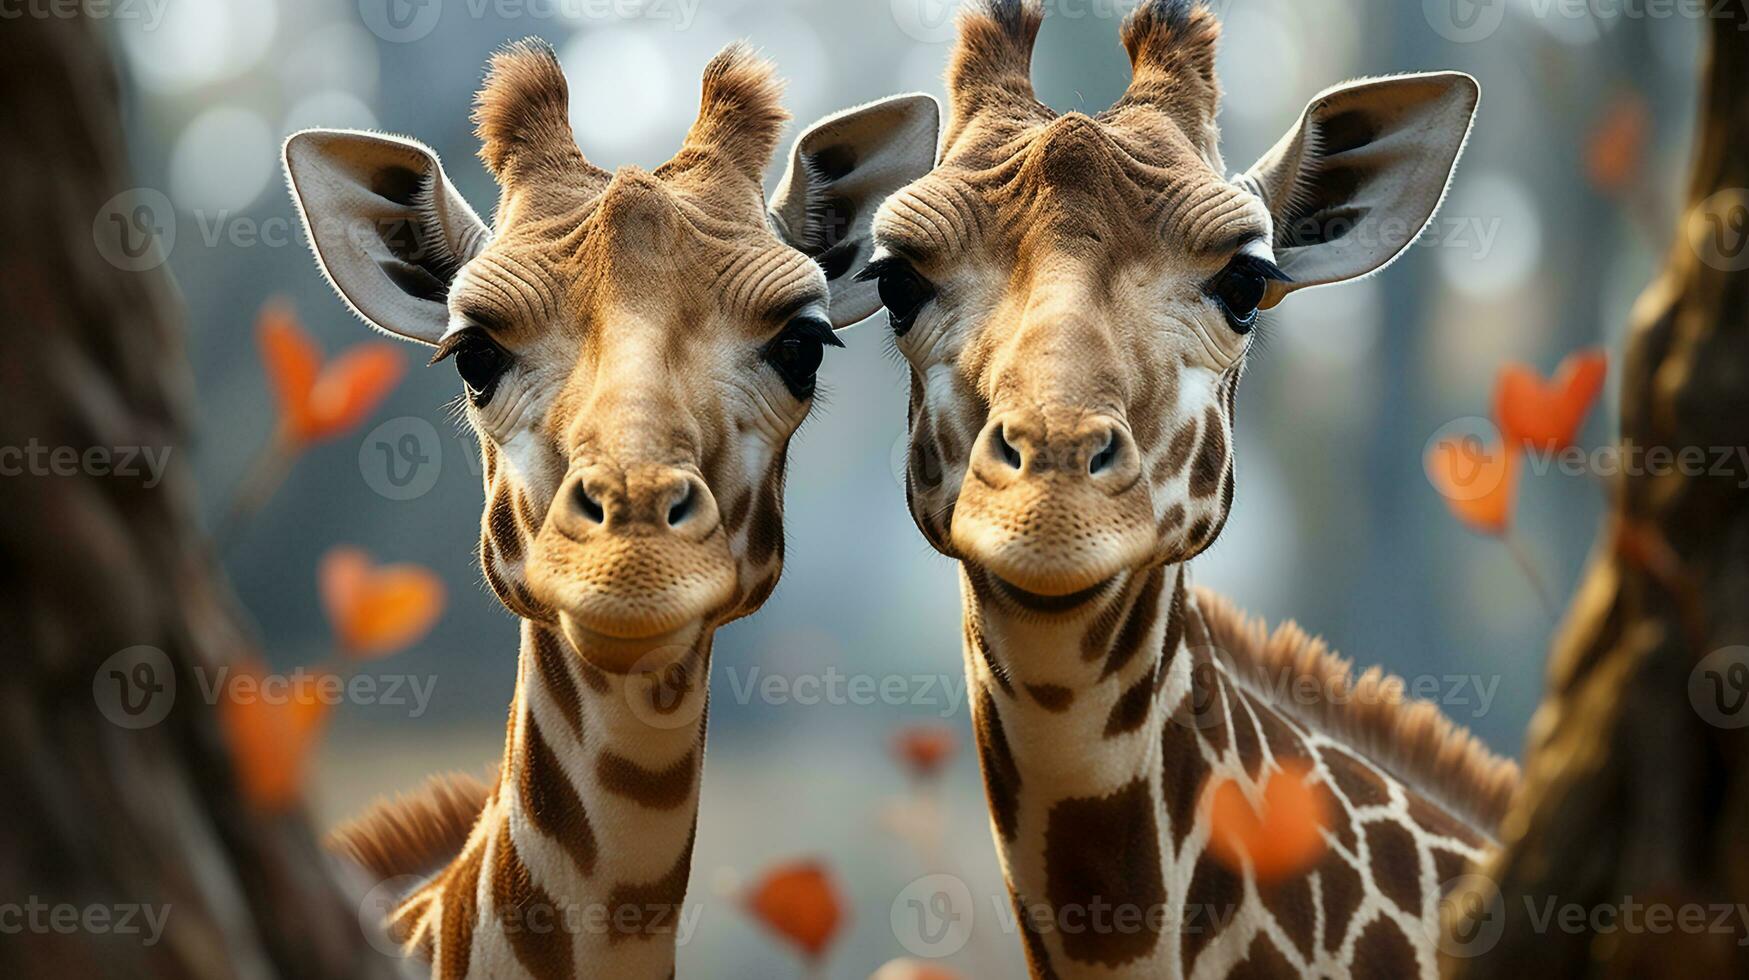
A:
[414,832]
[1410,738]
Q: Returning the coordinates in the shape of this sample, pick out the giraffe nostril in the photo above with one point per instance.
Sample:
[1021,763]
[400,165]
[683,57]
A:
[1006,449]
[681,509]
[1103,459]
[588,506]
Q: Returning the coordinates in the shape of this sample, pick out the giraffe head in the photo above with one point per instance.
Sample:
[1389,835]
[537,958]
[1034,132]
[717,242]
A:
[1076,294]
[635,348]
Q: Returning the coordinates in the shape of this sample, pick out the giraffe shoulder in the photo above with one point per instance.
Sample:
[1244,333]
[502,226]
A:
[1411,739]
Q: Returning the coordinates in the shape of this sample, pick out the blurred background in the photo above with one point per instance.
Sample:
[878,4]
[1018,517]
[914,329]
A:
[1555,222]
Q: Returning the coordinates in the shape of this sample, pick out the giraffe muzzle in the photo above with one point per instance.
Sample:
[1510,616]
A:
[1053,504]
[632,556]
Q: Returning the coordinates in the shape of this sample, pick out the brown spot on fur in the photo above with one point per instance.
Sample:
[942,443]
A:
[1448,865]
[1263,961]
[1357,782]
[1214,897]
[1178,451]
[1211,457]
[549,660]
[1105,850]
[1340,888]
[1245,738]
[735,516]
[1138,625]
[1131,708]
[655,907]
[1052,697]
[1208,705]
[1001,774]
[1436,821]
[997,669]
[1290,902]
[503,528]
[765,535]
[658,789]
[532,922]
[1182,772]
[1396,864]
[1170,521]
[460,907]
[594,676]
[1340,825]
[1383,953]
[552,803]
[1284,743]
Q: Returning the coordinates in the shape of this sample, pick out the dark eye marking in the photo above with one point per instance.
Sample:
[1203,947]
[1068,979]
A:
[1240,288]
[479,360]
[903,292]
[795,354]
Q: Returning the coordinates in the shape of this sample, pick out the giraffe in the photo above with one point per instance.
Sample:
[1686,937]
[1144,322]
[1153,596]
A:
[1074,296]
[635,351]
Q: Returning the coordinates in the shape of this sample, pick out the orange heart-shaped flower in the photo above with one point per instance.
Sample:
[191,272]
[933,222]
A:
[316,401]
[799,903]
[924,749]
[1547,415]
[1477,479]
[1285,837]
[377,610]
[271,738]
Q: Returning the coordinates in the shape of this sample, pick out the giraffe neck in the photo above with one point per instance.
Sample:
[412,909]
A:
[579,862]
[1097,736]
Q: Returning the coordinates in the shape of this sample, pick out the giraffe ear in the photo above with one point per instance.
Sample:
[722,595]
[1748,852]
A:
[1358,179]
[839,172]
[389,231]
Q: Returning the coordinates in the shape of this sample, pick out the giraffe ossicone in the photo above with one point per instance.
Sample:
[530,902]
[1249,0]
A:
[1075,296]
[635,350]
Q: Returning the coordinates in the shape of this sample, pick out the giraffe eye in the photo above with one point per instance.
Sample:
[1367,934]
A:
[478,360]
[903,291]
[796,353]
[1240,288]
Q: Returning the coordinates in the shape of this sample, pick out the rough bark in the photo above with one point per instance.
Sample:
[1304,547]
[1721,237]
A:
[103,819]
[1637,778]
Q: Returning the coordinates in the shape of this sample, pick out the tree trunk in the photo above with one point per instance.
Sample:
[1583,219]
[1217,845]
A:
[129,852]
[1635,805]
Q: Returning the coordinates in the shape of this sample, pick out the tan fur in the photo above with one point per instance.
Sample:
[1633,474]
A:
[417,831]
[740,114]
[1410,738]
[522,117]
